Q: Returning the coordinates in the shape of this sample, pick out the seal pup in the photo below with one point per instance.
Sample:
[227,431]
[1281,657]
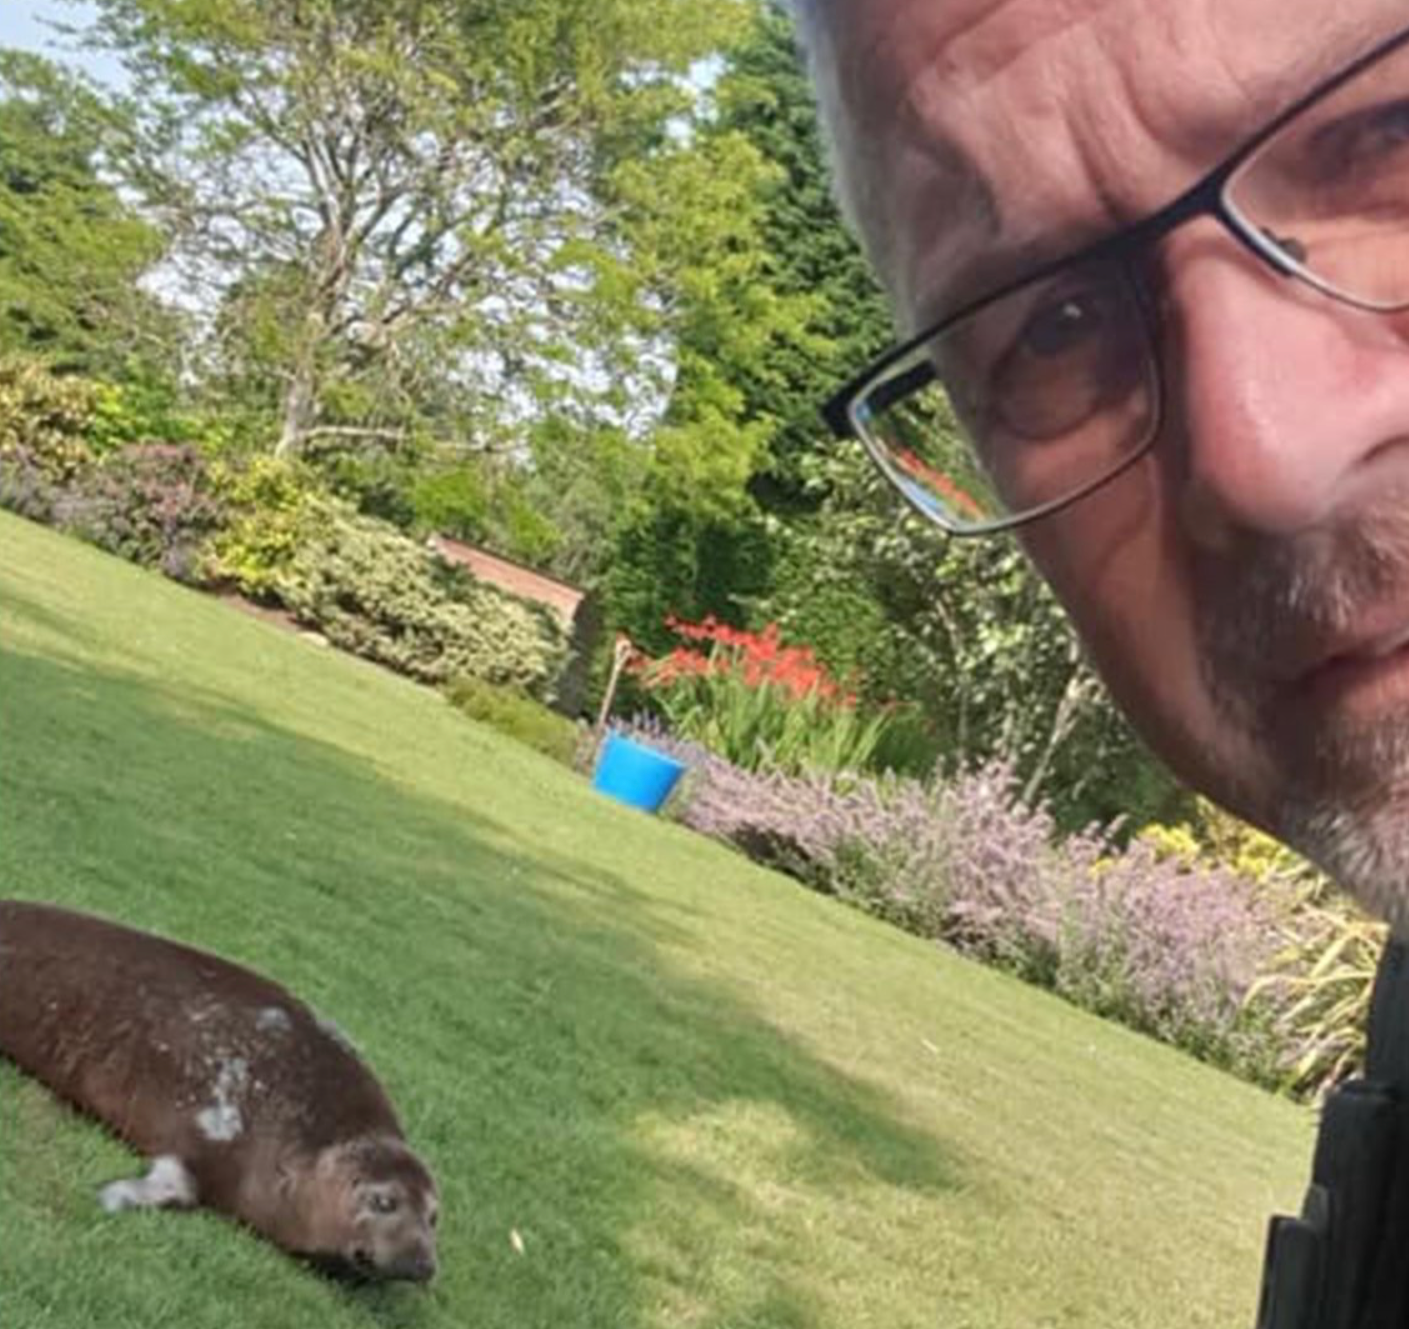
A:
[243,1100]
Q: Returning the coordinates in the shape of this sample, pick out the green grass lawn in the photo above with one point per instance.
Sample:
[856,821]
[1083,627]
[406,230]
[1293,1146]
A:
[699,1095]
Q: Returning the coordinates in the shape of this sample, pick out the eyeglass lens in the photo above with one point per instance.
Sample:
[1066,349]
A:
[1331,188]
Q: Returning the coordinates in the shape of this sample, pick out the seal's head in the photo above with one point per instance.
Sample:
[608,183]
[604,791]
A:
[379,1210]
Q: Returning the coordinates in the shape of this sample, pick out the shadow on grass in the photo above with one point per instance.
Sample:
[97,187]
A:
[597,1119]
[15,607]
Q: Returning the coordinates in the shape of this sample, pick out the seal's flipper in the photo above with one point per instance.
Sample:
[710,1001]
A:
[167,1185]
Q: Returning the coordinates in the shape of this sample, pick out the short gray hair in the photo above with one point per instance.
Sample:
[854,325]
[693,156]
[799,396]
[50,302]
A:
[805,15]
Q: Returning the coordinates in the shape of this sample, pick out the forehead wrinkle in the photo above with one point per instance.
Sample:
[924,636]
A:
[942,85]
[964,42]
[955,172]
[982,49]
[958,58]
[926,64]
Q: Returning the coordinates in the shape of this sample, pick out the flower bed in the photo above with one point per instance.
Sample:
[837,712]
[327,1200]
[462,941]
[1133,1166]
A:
[762,704]
[1197,957]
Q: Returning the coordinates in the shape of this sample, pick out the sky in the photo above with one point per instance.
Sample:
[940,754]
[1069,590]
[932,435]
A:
[21,25]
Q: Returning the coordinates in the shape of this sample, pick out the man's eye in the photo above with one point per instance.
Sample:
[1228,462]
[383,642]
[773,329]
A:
[1386,131]
[1362,141]
[1062,326]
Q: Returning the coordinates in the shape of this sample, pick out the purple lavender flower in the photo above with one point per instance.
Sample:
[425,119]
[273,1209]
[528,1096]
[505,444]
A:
[1145,940]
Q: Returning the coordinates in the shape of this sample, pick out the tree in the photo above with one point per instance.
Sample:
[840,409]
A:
[72,251]
[401,199]
[812,258]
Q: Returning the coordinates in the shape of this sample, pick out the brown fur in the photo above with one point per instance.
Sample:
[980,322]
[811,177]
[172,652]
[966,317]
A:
[189,1057]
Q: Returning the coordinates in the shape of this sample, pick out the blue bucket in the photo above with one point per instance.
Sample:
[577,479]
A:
[635,774]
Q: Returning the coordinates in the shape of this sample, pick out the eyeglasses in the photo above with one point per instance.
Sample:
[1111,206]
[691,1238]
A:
[1026,400]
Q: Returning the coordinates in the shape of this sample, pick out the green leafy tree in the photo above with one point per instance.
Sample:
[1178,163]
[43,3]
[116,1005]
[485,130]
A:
[71,249]
[401,199]
[813,260]
[583,481]
[672,558]
[740,320]
[670,442]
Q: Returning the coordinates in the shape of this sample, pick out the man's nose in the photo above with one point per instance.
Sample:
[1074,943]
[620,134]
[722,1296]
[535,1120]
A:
[1282,404]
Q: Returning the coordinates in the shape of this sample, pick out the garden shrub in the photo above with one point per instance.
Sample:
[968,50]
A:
[377,593]
[44,422]
[269,500]
[25,488]
[150,503]
[146,410]
[1320,980]
[1173,953]
[512,711]
[86,455]
[1212,837]
[1320,983]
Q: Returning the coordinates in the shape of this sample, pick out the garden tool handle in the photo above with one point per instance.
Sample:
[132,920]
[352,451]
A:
[1344,1262]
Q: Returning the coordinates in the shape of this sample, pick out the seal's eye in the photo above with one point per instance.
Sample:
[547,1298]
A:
[383,1203]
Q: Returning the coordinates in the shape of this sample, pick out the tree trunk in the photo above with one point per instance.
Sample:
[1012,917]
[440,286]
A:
[299,406]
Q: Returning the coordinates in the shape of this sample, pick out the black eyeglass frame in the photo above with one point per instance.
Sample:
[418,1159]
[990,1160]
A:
[1205,198]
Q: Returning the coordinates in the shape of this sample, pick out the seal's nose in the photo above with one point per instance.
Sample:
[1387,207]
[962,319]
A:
[419,1268]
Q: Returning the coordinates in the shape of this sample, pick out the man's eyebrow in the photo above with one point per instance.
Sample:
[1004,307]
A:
[979,255]
[963,184]
[956,197]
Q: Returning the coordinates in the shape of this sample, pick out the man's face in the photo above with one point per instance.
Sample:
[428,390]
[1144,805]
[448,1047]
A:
[1244,589]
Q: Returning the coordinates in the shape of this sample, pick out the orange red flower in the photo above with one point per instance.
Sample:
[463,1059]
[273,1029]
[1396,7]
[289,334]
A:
[759,659]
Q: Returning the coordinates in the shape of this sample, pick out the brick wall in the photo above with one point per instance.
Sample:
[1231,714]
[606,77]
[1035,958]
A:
[571,604]
[513,577]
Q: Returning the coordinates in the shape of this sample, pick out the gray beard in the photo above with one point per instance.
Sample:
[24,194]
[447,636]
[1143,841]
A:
[1339,793]
[1363,850]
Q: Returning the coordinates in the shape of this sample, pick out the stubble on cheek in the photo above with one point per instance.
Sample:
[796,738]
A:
[1332,783]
